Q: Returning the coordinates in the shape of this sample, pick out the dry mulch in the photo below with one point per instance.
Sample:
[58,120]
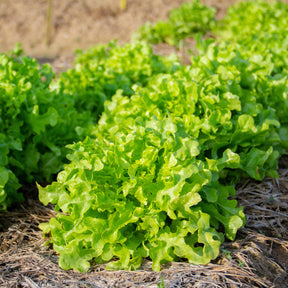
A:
[258,257]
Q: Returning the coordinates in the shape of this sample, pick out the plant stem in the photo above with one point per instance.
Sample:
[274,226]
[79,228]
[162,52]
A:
[123,4]
[48,22]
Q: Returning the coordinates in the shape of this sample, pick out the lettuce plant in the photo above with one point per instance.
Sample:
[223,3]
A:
[21,84]
[268,37]
[39,116]
[266,44]
[142,194]
[36,124]
[155,178]
[100,71]
[158,179]
[185,21]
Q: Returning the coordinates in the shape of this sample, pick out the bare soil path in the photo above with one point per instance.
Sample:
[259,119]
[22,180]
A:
[78,24]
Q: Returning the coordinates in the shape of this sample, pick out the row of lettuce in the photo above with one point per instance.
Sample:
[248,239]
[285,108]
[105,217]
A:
[151,149]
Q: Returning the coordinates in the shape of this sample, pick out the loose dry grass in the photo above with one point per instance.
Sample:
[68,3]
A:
[258,257]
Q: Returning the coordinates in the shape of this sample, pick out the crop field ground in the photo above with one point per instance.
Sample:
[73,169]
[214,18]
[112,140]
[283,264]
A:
[258,257]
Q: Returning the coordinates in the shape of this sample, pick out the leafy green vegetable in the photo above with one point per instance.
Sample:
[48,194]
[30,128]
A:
[36,124]
[265,47]
[157,180]
[154,181]
[129,198]
[40,117]
[190,18]
[155,175]
[100,71]
[268,37]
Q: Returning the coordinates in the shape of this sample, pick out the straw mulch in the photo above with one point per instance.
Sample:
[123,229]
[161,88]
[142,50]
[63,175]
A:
[258,257]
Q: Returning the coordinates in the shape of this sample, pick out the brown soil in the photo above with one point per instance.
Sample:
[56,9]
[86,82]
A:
[79,23]
[258,257]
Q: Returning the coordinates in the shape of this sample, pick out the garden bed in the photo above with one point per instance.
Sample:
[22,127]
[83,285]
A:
[258,256]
